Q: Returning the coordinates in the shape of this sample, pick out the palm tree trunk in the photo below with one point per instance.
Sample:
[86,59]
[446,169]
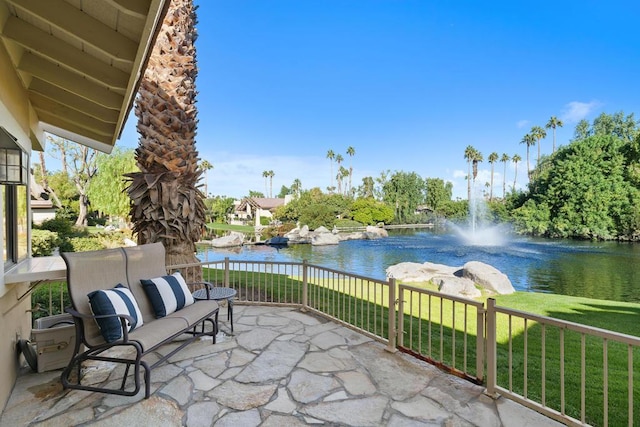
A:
[166,204]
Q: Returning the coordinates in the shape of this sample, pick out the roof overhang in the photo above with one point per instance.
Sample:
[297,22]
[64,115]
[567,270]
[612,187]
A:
[80,62]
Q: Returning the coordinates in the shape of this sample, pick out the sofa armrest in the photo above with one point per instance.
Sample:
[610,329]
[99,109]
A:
[124,318]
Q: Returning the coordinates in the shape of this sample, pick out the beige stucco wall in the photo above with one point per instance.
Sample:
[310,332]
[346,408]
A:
[14,318]
[16,323]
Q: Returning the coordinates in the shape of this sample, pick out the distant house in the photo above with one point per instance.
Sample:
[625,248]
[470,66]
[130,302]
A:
[259,207]
[42,207]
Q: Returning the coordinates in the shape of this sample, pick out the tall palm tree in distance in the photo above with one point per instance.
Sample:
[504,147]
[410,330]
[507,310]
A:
[529,140]
[515,159]
[271,174]
[331,156]
[265,175]
[538,133]
[339,160]
[554,123]
[296,187]
[351,152]
[205,166]
[468,156]
[493,157]
[504,159]
[477,158]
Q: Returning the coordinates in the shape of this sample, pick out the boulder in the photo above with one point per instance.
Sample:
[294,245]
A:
[367,235]
[322,229]
[488,277]
[304,231]
[352,236]
[416,272]
[298,235]
[323,239]
[457,286]
[234,239]
[377,230]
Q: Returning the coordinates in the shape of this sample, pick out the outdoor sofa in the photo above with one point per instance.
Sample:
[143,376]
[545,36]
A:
[139,308]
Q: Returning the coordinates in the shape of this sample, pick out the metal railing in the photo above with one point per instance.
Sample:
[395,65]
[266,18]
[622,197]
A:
[444,330]
[528,362]
[521,356]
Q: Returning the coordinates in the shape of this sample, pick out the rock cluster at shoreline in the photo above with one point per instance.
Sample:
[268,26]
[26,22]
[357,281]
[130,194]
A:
[462,281]
[321,236]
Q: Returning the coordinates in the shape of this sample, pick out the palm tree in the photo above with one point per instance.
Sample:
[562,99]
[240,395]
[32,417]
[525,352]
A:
[342,174]
[265,175]
[515,159]
[493,157]
[468,155]
[296,187]
[339,160]
[553,123]
[538,133]
[331,155]
[529,140]
[477,158]
[166,205]
[351,152]
[205,166]
[504,159]
[271,174]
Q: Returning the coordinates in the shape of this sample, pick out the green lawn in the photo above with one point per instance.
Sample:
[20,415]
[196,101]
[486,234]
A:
[229,227]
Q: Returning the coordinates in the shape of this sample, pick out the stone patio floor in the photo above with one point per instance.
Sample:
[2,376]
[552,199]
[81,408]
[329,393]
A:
[281,367]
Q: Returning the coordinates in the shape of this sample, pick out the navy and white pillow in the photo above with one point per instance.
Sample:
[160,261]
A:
[118,300]
[167,293]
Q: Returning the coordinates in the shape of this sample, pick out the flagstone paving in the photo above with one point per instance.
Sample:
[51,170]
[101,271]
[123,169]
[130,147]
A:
[282,367]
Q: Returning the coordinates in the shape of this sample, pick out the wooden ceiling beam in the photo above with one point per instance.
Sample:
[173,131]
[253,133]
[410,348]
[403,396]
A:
[49,46]
[69,126]
[40,88]
[69,81]
[137,8]
[67,18]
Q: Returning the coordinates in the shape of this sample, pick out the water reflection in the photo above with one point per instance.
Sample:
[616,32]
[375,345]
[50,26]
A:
[606,270]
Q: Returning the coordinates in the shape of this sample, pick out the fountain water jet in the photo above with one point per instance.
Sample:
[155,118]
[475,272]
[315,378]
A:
[479,230]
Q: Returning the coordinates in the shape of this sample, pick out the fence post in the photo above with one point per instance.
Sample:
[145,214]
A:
[400,325]
[391,346]
[480,342]
[491,348]
[226,272]
[305,286]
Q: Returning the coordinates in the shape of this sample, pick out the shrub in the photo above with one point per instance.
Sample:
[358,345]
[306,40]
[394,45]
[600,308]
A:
[62,226]
[83,244]
[44,242]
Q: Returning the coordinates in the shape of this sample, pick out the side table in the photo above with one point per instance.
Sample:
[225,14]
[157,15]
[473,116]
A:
[218,294]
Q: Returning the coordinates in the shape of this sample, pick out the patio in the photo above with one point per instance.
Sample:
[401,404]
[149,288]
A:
[281,367]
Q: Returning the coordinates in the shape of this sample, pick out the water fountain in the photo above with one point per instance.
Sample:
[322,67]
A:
[479,230]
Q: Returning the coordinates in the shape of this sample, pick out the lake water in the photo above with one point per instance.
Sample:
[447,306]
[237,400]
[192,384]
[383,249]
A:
[603,270]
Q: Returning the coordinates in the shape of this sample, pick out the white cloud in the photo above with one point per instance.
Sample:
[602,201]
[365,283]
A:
[522,124]
[459,173]
[575,111]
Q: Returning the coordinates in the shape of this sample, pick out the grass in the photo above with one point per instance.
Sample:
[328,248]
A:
[230,227]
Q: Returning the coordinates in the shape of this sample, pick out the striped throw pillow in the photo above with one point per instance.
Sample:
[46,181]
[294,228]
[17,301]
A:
[167,293]
[118,300]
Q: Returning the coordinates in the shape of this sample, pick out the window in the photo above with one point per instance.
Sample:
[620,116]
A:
[15,224]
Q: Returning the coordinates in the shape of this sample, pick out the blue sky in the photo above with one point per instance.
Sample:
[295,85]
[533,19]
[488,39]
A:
[407,83]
